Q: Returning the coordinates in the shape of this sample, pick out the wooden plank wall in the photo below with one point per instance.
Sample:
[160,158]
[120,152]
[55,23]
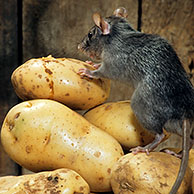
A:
[56,27]
[173,20]
[9,60]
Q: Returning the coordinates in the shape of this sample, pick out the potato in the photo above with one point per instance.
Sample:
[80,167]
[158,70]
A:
[117,119]
[57,79]
[153,173]
[191,159]
[191,156]
[44,135]
[58,181]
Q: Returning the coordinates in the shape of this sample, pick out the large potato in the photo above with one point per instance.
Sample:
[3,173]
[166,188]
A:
[148,174]
[61,181]
[44,135]
[57,79]
[117,119]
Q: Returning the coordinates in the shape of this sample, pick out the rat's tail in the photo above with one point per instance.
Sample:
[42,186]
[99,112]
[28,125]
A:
[185,157]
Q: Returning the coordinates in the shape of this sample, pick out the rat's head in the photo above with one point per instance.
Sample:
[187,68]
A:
[93,43]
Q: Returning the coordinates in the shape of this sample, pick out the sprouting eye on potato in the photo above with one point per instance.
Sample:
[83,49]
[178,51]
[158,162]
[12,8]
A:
[59,181]
[45,135]
[57,79]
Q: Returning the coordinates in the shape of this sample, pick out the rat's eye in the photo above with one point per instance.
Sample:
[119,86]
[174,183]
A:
[89,35]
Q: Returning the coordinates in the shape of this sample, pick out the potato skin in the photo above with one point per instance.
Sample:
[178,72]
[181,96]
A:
[117,119]
[45,135]
[191,159]
[154,173]
[57,79]
[59,181]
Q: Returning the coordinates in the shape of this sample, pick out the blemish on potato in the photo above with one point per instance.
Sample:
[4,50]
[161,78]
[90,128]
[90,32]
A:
[62,155]
[28,149]
[163,185]
[48,71]
[49,178]
[88,89]
[76,177]
[101,179]
[11,126]
[90,98]
[97,154]
[29,105]
[109,170]
[17,115]
[138,163]
[165,175]
[108,107]
[67,94]
[51,86]
[81,188]
[40,76]
[21,80]
[15,139]
[55,180]
[47,139]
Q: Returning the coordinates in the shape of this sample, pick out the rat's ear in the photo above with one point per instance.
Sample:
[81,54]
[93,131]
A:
[121,12]
[101,23]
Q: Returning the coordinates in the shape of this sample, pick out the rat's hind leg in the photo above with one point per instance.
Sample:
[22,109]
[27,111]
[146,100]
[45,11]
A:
[151,146]
[149,116]
[173,153]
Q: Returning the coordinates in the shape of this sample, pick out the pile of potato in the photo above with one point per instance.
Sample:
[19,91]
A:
[80,154]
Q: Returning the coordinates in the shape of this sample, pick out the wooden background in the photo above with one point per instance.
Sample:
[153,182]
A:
[34,28]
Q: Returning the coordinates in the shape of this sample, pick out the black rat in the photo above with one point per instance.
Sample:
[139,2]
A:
[163,96]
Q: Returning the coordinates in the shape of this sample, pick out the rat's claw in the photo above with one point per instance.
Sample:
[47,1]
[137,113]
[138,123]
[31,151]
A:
[89,62]
[84,73]
[138,149]
[94,65]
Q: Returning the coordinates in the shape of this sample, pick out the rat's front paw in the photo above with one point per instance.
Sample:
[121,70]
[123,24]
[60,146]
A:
[89,62]
[84,73]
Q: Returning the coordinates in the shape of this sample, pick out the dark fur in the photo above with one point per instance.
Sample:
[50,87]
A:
[163,95]
[163,90]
